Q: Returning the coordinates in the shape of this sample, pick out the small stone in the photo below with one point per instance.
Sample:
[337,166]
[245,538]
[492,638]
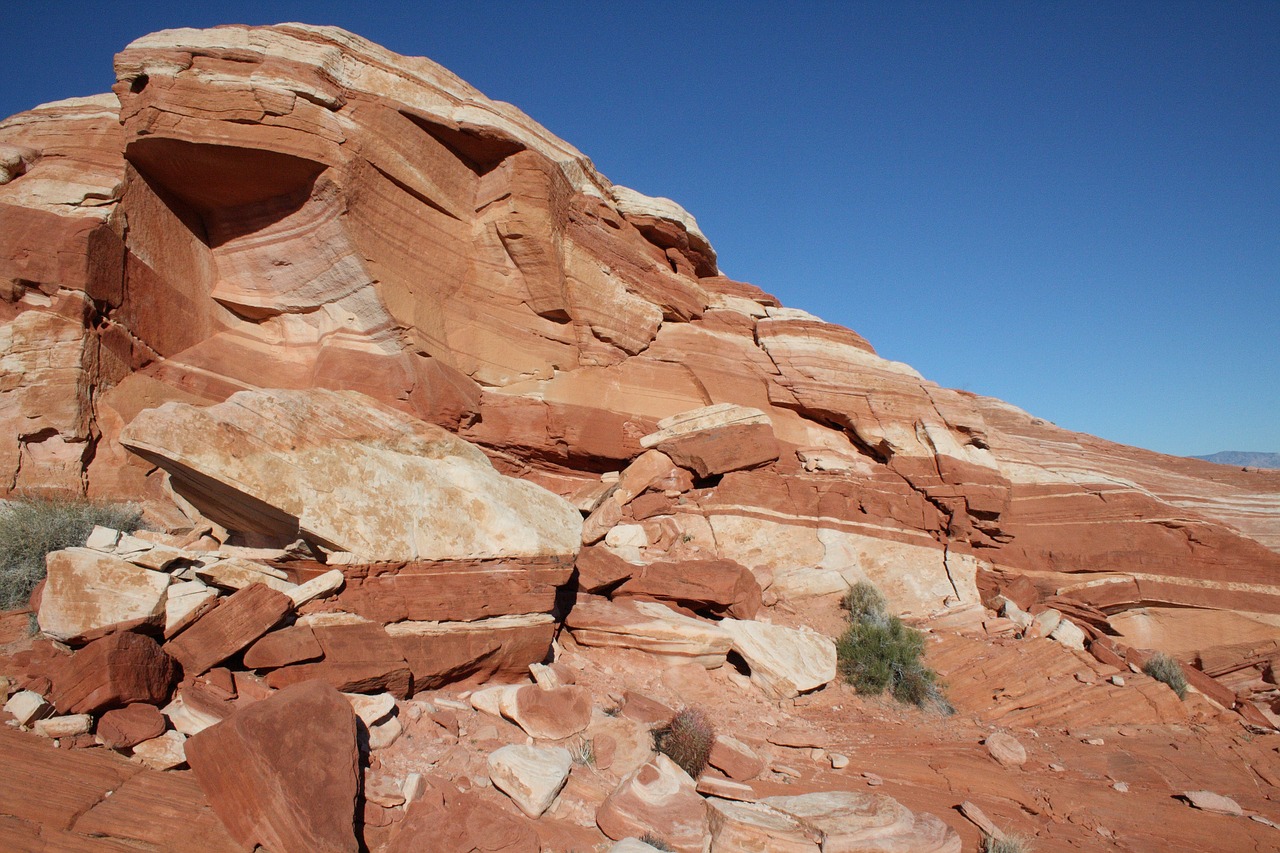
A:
[838,761]
[385,733]
[69,725]
[372,709]
[415,785]
[1211,802]
[1094,741]
[1117,680]
[318,587]
[27,706]
[162,753]
[873,779]
[531,776]
[1057,768]
[1122,787]
[129,726]
[1006,749]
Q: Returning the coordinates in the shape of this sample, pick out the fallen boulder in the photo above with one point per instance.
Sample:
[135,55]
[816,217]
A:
[350,474]
[284,773]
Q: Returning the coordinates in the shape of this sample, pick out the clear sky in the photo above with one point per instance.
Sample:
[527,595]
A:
[1071,206]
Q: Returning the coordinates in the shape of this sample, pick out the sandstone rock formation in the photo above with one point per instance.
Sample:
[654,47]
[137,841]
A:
[445,409]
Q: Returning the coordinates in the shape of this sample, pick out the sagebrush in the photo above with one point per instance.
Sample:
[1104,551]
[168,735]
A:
[31,528]
[879,653]
[1162,667]
[687,740]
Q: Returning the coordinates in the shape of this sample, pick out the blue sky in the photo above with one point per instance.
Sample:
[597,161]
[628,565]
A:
[1071,206]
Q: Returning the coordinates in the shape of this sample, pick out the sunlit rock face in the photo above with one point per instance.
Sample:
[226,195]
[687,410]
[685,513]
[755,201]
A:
[295,208]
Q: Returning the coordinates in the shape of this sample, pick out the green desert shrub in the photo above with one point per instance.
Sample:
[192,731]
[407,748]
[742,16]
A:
[655,842]
[1162,667]
[30,528]
[879,653]
[687,740]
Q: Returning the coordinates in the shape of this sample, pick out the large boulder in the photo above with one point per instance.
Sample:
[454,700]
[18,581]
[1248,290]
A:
[284,773]
[349,474]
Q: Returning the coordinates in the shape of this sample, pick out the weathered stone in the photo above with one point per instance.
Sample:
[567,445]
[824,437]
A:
[69,725]
[184,603]
[785,662]
[758,828]
[553,714]
[1210,802]
[229,628]
[1006,749]
[498,649]
[166,752]
[736,759]
[88,594]
[294,644]
[531,776]
[27,706]
[112,672]
[850,821]
[372,709]
[659,799]
[357,658]
[719,587]
[284,772]
[320,586]
[121,728]
[322,467]
[648,627]
[234,573]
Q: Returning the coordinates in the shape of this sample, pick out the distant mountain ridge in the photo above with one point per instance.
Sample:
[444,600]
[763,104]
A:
[1247,458]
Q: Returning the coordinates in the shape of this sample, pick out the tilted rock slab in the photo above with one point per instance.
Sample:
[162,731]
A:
[785,662]
[283,773]
[352,475]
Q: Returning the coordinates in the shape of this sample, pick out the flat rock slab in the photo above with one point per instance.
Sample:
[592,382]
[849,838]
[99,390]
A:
[112,672]
[228,628]
[88,594]
[758,827]
[721,587]
[853,821]
[284,772]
